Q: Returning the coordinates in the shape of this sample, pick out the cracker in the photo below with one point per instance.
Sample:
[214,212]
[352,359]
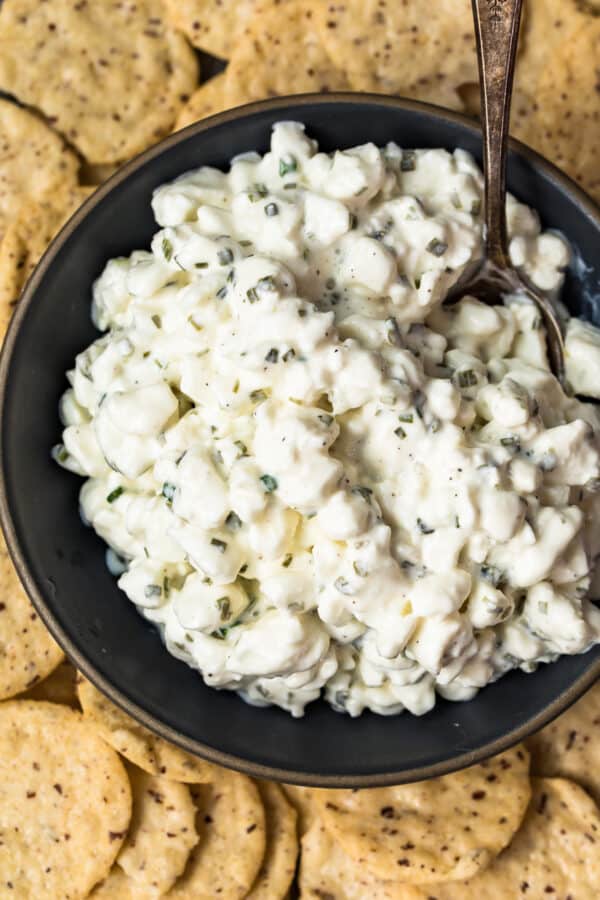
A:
[554,853]
[110,76]
[214,26]
[327,873]
[302,799]
[567,124]
[281,53]
[58,687]
[26,240]
[231,849]
[445,828]
[277,870]
[65,802]
[33,159]
[138,745]
[117,886]
[418,50]
[161,834]
[570,746]
[27,651]
[206,101]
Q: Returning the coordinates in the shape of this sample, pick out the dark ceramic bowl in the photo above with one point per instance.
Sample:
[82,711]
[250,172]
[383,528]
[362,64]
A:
[61,562]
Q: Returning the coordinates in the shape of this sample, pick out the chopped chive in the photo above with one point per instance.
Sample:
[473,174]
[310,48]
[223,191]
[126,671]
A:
[258,396]
[157,320]
[468,378]
[224,607]
[269,483]
[437,248]
[272,356]
[168,491]
[241,447]
[233,521]
[252,295]
[287,561]
[225,256]
[114,495]
[271,209]
[512,441]
[220,545]
[408,163]
[166,586]
[400,432]
[152,590]
[167,249]
[406,417]
[201,265]
[287,164]
[288,355]
[222,292]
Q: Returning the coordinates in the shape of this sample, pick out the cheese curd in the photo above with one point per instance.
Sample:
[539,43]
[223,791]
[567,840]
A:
[313,477]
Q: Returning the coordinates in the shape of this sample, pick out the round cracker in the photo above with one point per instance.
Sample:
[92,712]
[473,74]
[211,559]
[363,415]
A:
[281,53]
[27,651]
[445,828]
[206,101]
[567,122]
[58,687]
[554,853]
[110,76]
[161,834]
[26,240]
[65,802]
[138,745]
[327,872]
[231,849]
[402,48]
[281,854]
[570,746]
[215,26]
[33,159]
[303,801]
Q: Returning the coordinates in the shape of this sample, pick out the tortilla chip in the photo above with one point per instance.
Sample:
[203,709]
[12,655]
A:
[445,828]
[566,128]
[281,53]
[570,746]
[303,801]
[215,26]
[161,834]
[206,101]
[27,651]
[138,745]
[554,853]
[231,824]
[418,50]
[95,175]
[27,239]
[110,76]
[65,802]
[33,159]
[117,886]
[327,873]
[279,865]
[58,687]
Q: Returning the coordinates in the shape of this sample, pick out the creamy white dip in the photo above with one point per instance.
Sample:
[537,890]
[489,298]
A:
[313,477]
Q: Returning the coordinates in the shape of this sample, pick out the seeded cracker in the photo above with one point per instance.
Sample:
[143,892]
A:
[110,76]
[327,872]
[26,240]
[215,26]
[416,49]
[27,652]
[33,159]
[136,743]
[553,855]
[281,53]
[228,856]
[65,803]
[278,867]
[445,828]
[58,687]
[302,799]
[570,746]
[162,831]
[206,101]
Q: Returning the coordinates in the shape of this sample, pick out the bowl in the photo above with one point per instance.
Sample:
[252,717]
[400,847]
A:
[62,563]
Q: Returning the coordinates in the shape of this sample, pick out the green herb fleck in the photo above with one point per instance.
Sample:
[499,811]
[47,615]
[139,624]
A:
[271,209]
[220,545]
[114,495]
[287,164]
[258,396]
[157,320]
[201,265]
[436,248]
[152,590]
[287,561]
[167,249]
[466,379]
[272,356]
[400,432]
[233,521]
[408,163]
[288,355]
[168,491]
[241,447]
[269,483]
[224,607]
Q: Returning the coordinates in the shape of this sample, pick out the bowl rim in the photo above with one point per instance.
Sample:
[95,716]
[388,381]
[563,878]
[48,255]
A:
[561,702]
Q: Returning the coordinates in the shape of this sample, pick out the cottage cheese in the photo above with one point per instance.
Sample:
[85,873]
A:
[313,477]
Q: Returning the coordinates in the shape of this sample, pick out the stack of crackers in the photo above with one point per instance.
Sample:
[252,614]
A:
[91,803]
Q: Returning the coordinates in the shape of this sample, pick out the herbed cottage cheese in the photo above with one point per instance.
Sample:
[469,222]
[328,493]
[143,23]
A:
[314,477]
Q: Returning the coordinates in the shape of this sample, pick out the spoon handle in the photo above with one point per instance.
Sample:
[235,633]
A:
[497,32]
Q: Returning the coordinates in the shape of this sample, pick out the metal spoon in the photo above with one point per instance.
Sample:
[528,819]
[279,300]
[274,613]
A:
[497,32]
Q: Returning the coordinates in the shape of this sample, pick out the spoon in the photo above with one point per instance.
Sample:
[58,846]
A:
[497,32]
